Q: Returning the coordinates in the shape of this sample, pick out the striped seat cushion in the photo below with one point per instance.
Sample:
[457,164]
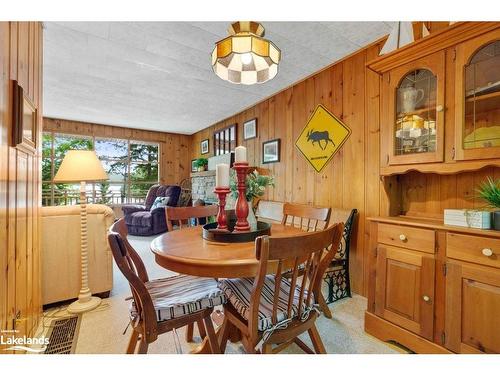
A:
[238,293]
[181,295]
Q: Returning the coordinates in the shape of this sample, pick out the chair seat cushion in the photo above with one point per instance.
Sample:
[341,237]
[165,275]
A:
[238,293]
[140,218]
[181,295]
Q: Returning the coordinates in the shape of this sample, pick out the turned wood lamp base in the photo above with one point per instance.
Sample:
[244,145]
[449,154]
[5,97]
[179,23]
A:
[85,300]
[79,306]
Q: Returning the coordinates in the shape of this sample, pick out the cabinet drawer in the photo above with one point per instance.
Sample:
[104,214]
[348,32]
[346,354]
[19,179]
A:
[407,237]
[475,249]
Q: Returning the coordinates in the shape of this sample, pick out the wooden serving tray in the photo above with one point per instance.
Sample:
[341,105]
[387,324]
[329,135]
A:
[210,233]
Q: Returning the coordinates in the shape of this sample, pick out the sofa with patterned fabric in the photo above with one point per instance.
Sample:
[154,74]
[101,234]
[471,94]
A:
[149,219]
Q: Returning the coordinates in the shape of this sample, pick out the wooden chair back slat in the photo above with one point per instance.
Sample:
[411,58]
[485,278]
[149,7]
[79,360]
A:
[180,215]
[307,249]
[293,284]
[303,283]
[300,214]
[277,287]
[121,228]
[314,274]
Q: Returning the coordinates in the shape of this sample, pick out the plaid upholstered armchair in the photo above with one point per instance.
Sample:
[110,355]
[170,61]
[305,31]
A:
[144,220]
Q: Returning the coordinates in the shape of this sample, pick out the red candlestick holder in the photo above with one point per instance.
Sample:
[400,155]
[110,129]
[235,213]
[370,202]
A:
[241,208]
[221,192]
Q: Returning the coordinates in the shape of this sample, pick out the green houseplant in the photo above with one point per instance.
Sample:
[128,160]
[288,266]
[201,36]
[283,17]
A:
[201,164]
[489,191]
[256,184]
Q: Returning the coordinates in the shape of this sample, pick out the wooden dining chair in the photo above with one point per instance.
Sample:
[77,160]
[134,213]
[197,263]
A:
[270,310]
[179,217]
[161,305]
[182,216]
[309,218]
[306,217]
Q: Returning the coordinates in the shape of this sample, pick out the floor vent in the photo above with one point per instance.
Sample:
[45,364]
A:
[63,334]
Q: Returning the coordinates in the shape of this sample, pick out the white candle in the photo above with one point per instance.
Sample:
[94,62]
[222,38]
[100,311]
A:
[240,154]
[222,175]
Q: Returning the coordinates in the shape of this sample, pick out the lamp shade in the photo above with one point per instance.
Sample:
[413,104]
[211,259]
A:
[80,165]
[245,57]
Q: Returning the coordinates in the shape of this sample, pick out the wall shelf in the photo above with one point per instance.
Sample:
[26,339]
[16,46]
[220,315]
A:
[440,168]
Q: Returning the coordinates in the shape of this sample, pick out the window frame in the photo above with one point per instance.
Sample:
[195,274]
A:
[219,138]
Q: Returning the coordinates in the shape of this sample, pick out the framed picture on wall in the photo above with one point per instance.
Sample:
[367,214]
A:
[24,119]
[271,151]
[194,168]
[250,129]
[204,146]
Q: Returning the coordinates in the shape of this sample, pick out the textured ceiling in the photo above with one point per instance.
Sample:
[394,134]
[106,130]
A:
[157,75]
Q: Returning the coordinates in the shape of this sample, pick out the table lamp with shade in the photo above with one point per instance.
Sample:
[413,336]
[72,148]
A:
[82,166]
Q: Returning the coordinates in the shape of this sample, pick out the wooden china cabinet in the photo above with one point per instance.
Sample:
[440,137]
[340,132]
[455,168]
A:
[435,288]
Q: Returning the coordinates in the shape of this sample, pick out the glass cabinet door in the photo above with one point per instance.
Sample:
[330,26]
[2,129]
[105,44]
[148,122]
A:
[415,130]
[482,98]
[415,121]
[478,98]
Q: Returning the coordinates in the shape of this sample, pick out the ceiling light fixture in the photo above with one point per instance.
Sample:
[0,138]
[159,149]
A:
[245,57]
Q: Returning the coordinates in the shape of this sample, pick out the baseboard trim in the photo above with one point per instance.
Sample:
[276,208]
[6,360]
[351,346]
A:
[386,331]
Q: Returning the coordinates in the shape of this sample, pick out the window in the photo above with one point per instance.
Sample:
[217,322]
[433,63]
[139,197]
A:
[132,168]
[225,140]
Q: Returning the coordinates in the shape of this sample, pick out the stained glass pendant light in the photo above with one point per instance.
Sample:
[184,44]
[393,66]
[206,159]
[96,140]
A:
[245,57]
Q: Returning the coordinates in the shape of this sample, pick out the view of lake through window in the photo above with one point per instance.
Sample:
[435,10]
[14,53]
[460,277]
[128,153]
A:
[132,168]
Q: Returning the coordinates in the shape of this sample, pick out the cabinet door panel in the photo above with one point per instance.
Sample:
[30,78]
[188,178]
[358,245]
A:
[477,98]
[472,307]
[414,127]
[398,298]
[405,289]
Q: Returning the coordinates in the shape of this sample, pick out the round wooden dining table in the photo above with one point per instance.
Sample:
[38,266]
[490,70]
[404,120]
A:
[185,251]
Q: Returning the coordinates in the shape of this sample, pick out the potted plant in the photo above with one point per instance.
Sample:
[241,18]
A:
[489,191]
[256,184]
[201,164]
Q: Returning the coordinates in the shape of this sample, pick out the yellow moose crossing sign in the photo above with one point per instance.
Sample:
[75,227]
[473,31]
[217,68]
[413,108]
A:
[322,137]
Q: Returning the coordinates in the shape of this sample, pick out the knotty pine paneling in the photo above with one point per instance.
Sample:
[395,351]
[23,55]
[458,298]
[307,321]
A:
[20,186]
[429,194]
[175,162]
[4,172]
[351,92]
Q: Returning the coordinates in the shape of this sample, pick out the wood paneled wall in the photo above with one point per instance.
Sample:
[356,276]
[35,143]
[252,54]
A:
[20,187]
[175,163]
[350,180]
[428,194]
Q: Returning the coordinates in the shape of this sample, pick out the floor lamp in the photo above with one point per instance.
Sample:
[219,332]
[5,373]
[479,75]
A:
[82,166]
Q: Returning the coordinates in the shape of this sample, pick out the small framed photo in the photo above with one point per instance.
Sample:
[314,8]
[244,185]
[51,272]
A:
[194,168]
[250,129]
[204,146]
[271,151]
[24,120]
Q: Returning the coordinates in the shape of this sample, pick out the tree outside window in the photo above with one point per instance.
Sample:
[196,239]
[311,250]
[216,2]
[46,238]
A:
[132,167]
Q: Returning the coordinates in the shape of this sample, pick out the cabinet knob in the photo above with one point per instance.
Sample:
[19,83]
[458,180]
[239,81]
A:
[402,237]
[439,108]
[426,298]
[487,252]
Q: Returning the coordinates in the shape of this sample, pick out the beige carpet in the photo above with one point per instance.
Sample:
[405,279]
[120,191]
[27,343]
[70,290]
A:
[101,331]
